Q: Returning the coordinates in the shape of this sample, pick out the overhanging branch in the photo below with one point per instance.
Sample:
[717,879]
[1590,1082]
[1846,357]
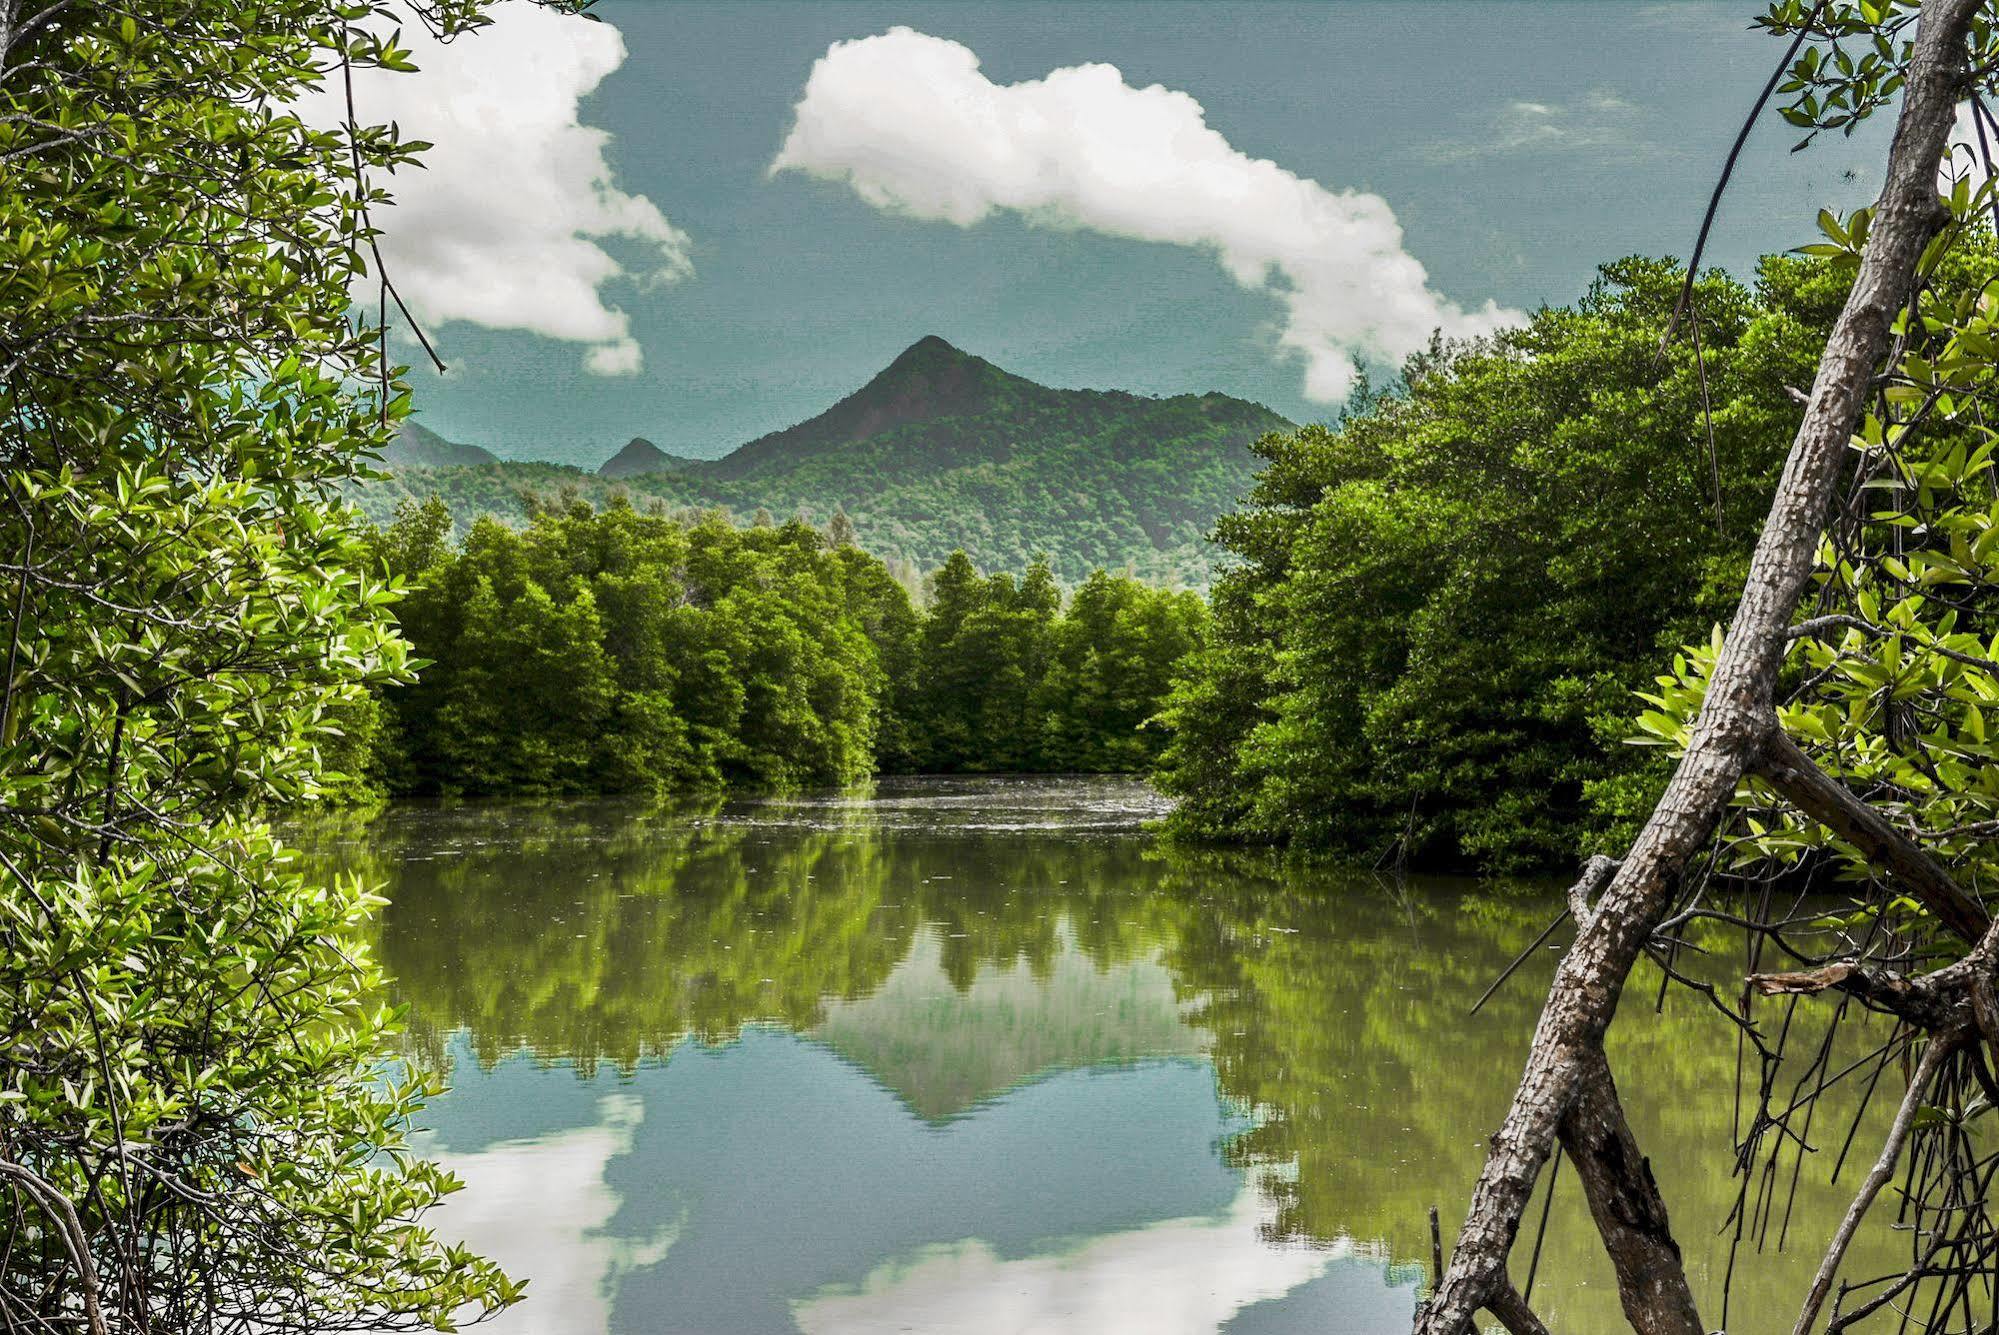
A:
[1835,806]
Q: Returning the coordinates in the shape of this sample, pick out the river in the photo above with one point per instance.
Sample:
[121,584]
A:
[980,1056]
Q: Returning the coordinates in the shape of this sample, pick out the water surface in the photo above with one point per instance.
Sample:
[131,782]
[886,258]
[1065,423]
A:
[979,1056]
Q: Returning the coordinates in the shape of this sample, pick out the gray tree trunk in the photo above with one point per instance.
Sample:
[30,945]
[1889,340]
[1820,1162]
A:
[1735,723]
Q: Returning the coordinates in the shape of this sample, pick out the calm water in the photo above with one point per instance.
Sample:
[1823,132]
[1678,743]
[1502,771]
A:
[977,1056]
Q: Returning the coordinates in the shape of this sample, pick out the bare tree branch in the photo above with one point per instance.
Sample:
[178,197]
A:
[1884,1168]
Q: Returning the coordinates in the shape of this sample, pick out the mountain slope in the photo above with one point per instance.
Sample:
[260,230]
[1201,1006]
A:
[940,450]
[419,447]
[640,456]
[929,383]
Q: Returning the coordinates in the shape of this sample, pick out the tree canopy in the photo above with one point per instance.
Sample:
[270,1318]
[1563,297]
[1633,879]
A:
[1442,603]
[1835,724]
[197,1129]
[617,651]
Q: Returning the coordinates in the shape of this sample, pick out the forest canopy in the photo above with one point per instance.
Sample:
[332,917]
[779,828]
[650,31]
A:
[1444,604]
[607,651]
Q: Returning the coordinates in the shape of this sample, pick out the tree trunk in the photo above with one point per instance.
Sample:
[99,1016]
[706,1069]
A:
[1628,1209]
[1738,716]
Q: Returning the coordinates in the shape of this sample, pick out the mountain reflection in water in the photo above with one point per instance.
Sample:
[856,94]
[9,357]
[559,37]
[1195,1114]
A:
[980,1056]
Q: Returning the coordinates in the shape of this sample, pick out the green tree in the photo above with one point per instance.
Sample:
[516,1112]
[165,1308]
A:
[613,651]
[1442,601]
[197,1131]
[1828,727]
[1112,663]
[881,607]
[942,707]
[1008,679]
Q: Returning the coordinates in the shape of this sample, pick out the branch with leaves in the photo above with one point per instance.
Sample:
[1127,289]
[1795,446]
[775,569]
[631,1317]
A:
[1739,752]
[197,1131]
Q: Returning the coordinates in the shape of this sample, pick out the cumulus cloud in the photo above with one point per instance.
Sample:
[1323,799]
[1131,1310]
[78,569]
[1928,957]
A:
[619,358]
[912,126]
[501,226]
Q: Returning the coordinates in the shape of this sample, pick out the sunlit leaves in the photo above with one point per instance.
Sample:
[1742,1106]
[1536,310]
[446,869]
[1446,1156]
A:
[1892,679]
[185,609]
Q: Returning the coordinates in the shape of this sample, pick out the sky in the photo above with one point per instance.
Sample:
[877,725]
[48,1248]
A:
[698,223]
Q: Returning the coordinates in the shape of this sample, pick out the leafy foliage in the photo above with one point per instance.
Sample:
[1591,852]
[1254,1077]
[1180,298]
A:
[614,651]
[1894,667]
[1444,601]
[197,1130]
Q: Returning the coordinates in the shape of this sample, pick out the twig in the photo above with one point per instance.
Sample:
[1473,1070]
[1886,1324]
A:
[1877,1177]
[1728,170]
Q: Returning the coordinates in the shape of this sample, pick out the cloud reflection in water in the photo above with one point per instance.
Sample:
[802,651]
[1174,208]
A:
[1176,1277]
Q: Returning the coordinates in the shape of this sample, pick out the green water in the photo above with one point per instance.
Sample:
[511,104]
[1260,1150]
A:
[977,1056]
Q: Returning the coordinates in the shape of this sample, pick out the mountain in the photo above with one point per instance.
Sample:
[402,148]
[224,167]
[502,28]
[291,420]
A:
[942,449]
[419,447]
[640,456]
[930,383]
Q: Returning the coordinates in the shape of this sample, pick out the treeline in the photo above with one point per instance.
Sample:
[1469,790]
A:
[609,650]
[1443,605]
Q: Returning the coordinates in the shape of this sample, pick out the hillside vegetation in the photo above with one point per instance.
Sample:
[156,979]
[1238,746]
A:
[941,451]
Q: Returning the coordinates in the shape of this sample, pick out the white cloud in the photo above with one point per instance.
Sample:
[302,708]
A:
[542,1209]
[1599,121]
[622,358]
[500,228]
[912,126]
[1179,1277]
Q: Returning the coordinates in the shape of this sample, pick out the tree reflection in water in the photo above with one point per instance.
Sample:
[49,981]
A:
[960,941]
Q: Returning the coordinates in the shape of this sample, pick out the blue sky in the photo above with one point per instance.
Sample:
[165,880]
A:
[602,251]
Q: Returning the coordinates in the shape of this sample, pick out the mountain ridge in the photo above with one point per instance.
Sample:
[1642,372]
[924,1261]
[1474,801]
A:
[417,446]
[942,449]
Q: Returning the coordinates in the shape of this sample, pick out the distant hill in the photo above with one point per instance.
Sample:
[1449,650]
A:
[942,449]
[930,384]
[639,457]
[419,447]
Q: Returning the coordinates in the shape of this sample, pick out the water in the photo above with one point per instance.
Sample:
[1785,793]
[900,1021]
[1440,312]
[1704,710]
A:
[978,1056]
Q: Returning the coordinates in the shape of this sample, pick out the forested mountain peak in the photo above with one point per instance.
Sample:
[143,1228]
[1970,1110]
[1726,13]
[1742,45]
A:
[929,381]
[639,456]
[931,352]
[941,450]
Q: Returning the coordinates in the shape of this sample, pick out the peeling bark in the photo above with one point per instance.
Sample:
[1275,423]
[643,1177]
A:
[1921,1001]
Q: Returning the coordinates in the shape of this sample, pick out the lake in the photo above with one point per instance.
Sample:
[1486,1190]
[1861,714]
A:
[980,1056]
